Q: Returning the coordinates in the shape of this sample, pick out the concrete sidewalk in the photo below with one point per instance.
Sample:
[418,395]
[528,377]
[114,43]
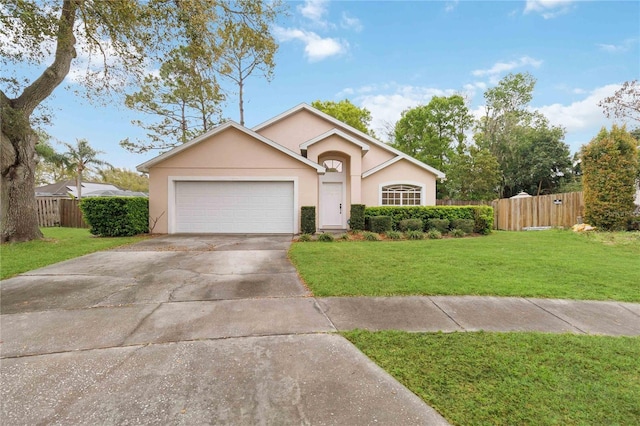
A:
[474,313]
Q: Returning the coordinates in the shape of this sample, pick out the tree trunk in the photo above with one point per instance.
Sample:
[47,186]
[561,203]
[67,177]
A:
[18,212]
[18,215]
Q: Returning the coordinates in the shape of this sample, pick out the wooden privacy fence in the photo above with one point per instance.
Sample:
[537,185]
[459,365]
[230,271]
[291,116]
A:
[556,210]
[63,212]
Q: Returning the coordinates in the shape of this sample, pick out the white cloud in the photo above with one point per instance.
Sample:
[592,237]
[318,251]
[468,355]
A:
[501,67]
[314,9]
[350,22]
[316,48]
[581,114]
[548,8]
[386,102]
[451,5]
[618,48]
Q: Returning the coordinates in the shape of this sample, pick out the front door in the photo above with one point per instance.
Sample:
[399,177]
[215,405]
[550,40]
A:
[331,205]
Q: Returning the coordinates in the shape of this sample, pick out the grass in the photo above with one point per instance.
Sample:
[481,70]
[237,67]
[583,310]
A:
[546,264]
[514,378]
[59,244]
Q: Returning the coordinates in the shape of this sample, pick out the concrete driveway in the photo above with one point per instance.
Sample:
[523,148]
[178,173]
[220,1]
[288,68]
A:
[185,330]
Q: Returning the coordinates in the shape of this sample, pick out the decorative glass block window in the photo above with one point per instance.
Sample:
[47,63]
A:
[401,195]
[333,166]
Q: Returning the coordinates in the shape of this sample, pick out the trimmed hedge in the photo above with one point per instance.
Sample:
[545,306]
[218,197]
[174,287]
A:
[481,215]
[410,225]
[356,221]
[440,225]
[465,225]
[308,220]
[380,224]
[116,216]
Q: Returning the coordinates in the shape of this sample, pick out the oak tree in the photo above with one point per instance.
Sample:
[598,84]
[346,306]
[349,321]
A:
[121,41]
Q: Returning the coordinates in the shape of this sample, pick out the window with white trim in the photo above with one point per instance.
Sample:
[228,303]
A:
[401,195]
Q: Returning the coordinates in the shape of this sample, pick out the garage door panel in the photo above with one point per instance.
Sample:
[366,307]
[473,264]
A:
[234,207]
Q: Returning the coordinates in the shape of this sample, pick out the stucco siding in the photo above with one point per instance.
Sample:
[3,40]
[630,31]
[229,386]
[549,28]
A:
[227,155]
[400,172]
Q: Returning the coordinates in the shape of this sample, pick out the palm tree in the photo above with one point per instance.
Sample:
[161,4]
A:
[81,157]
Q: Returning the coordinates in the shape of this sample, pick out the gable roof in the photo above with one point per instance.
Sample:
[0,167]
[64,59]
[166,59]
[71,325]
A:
[305,145]
[144,167]
[345,126]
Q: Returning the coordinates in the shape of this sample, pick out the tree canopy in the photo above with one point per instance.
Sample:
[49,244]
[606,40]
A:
[345,111]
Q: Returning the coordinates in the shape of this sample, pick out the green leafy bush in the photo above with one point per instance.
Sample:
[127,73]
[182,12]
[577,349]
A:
[308,220]
[371,236]
[465,225]
[116,216]
[303,238]
[325,238]
[441,225]
[356,221]
[610,169]
[482,215]
[410,225]
[458,233]
[434,234]
[414,235]
[344,237]
[394,235]
[381,224]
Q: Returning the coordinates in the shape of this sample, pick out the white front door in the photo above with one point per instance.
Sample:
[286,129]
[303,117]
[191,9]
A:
[331,205]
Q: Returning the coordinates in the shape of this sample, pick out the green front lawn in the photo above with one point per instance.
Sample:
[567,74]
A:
[548,264]
[59,244]
[514,378]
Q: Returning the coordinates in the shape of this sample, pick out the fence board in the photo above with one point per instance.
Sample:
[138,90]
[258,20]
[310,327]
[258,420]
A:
[63,212]
[48,213]
[555,210]
[70,214]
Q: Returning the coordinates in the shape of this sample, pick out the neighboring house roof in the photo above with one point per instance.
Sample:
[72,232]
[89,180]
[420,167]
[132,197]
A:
[115,193]
[63,189]
[144,167]
[340,124]
[305,145]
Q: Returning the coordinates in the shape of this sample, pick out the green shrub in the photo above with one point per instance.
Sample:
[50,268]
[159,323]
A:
[303,238]
[394,235]
[325,238]
[434,234]
[410,225]
[371,236]
[458,233]
[308,222]
[116,216]
[414,235]
[609,172]
[344,237]
[356,221]
[465,225]
[441,225]
[381,224]
[482,215]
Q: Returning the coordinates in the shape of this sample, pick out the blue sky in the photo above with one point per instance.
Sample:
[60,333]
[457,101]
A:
[389,56]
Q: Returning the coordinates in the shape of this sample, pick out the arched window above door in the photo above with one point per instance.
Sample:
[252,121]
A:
[333,166]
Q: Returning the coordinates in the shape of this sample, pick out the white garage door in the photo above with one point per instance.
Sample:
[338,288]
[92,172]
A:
[234,207]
